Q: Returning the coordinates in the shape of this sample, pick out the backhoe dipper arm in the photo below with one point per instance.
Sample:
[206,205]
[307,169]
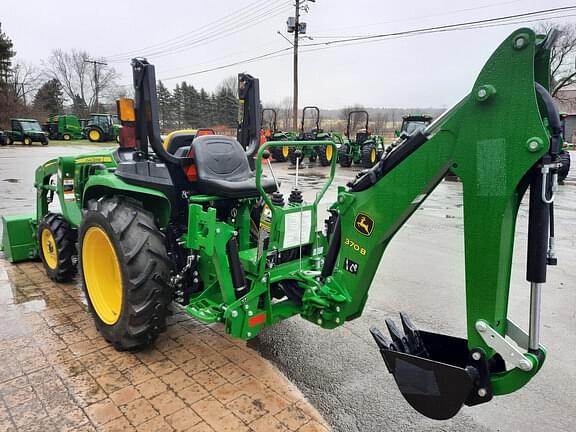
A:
[497,142]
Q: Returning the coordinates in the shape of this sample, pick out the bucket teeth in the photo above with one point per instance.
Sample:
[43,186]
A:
[398,339]
[409,341]
[415,343]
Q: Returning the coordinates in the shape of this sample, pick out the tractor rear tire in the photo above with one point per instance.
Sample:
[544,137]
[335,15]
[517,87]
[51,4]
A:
[56,240]
[369,156]
[277,154]
[325,154]
[94,135]
[292,156]
[9,141]
[124,272]
[565,168]
[344,159]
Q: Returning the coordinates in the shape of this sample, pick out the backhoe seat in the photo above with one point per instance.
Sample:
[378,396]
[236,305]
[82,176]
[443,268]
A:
[223,168]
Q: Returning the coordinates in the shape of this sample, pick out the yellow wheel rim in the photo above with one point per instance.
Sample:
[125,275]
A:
[329,152]
[102,274]
[373,156]
[285,151]
[94,135]
[66,137]
[27,141]
[49,250]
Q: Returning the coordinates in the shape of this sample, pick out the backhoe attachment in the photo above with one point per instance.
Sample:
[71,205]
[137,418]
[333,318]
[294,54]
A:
[502,139]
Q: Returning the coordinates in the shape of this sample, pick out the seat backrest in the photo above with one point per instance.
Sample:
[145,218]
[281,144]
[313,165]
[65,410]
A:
[219,156]
[178,139]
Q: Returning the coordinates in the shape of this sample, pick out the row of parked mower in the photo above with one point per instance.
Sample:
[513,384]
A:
[97,128]
[360,148]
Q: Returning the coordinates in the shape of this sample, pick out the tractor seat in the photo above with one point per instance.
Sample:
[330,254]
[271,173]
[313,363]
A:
[178,139]
[223,168]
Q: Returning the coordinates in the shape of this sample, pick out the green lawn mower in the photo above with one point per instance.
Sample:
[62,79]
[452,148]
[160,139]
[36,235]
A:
[102,127]
[366,149]
[63,127]
[200,229]
[26,131]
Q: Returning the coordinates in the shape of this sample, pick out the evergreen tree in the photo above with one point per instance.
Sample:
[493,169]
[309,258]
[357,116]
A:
[165,107]
[49,99]
[191,108]
[177,106]
[6,54]
[205,117]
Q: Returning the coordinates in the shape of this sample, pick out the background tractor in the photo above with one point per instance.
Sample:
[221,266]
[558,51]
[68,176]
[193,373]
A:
[564,155]
[322,152]
[271,133]
[199,228]
[26,131]
[365,149]
[103,127]
[63,127]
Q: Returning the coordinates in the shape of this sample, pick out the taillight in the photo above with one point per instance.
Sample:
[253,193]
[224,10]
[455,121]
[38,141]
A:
[128,137]
[190,170]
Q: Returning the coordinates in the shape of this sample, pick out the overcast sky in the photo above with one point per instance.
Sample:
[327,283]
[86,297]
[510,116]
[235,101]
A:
[418,71]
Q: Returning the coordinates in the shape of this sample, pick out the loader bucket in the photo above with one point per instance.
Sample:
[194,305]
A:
[19,238]
[435,373]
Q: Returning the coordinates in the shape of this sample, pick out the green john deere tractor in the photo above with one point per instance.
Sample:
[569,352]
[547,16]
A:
[271,133]
[322,152]
[564,154]
[366,149]
[103,127]
[63,127]
[199,228]
[26,131]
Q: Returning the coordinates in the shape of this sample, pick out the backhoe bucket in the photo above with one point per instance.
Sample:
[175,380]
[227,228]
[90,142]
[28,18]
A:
[18,238]
[435,373]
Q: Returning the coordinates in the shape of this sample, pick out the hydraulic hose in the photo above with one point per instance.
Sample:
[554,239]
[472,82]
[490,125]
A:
[553,119]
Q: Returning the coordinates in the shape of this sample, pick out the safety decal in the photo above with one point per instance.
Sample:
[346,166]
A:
[350,266]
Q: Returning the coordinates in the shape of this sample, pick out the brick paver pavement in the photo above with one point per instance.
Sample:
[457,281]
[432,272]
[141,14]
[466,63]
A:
[58,374]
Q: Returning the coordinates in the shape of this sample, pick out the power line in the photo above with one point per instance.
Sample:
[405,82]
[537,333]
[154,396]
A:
[448,26]
[220,28]
[489,22]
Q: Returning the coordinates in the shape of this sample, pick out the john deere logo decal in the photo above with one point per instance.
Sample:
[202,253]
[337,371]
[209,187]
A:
[364,224]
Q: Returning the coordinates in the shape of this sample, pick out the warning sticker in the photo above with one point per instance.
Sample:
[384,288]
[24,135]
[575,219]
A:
[297,227]
[68,190]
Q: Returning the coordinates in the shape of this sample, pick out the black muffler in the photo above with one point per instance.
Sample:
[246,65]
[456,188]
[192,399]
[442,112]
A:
[435,373]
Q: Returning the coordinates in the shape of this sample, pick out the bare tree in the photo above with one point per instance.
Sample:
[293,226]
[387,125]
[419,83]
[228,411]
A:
[356,119]
[563,57]
[284,121]
[25,80]
[77,78]
[380,122]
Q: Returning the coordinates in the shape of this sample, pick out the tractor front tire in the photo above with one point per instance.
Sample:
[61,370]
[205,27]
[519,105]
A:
[27,141]
[125,272]
[325,154]
[57,239]
[66,137]
[94,135]
[369,156]
[344,159]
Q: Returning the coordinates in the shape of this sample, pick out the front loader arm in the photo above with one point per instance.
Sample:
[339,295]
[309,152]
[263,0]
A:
[495,140]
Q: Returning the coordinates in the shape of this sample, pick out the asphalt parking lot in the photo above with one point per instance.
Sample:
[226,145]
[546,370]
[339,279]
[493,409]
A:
[422,273]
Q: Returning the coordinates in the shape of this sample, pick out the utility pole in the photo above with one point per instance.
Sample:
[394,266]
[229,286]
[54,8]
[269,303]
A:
[96,84]
[295,94]
[297,28]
